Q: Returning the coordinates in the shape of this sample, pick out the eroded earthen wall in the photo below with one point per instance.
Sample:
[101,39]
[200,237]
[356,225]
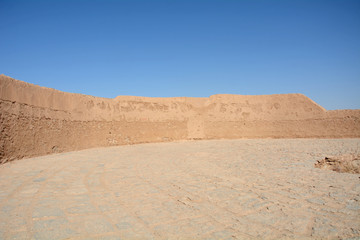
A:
[36,120]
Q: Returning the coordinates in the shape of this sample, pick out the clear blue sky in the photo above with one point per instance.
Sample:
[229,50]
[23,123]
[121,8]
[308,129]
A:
[186,48]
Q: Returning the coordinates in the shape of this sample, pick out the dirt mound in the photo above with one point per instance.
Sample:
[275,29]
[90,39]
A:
[343,164]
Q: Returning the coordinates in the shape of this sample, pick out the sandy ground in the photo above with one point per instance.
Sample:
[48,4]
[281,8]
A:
[221,189]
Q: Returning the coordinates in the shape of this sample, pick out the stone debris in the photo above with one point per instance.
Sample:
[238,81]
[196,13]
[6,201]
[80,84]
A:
[343,164]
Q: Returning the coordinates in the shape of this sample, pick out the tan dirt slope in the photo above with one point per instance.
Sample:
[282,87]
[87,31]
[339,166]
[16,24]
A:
[37,120]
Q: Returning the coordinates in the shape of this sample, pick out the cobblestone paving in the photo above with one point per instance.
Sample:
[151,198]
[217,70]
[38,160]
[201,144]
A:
[221,189]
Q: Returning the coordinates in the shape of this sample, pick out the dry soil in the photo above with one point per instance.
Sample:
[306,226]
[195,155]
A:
[218,189]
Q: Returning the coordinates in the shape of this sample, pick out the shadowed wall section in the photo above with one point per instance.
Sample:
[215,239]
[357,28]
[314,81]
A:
[36,120]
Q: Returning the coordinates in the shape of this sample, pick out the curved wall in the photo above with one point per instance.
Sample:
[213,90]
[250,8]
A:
[37,120]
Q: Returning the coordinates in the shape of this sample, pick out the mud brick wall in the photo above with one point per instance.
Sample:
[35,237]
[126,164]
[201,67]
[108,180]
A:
[36,120]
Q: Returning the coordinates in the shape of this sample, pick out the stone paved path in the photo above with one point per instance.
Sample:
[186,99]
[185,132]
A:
[221,189]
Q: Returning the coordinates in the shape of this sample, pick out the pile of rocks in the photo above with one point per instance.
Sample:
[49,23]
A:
[345,163]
